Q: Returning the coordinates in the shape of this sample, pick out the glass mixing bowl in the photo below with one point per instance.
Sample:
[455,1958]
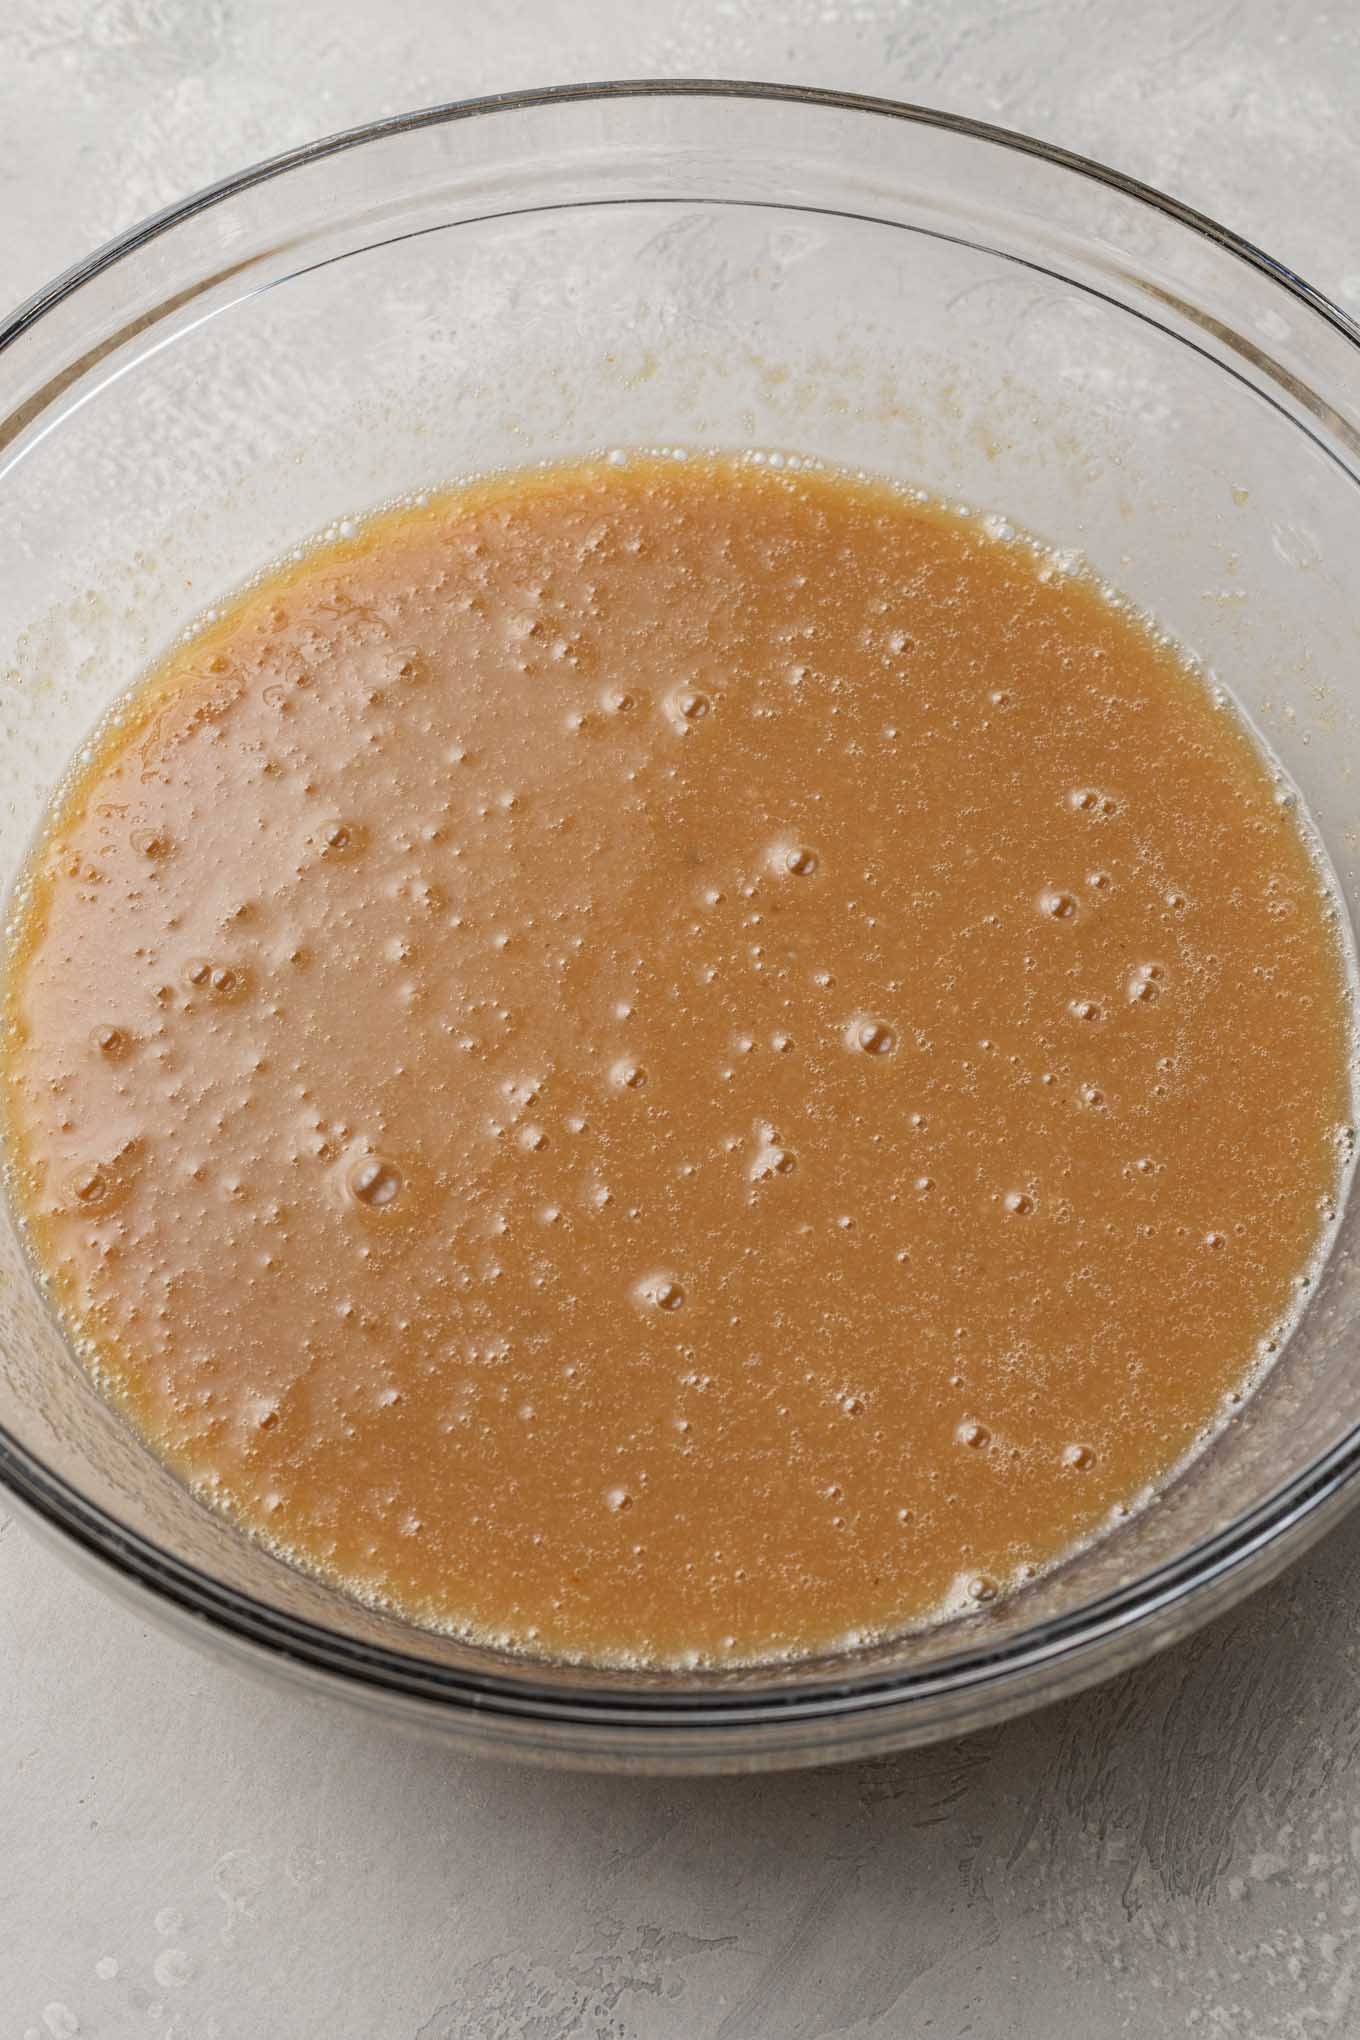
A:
[535,276]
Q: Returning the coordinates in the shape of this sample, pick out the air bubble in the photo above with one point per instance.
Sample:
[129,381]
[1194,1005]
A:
[771,1162]
[110,1041]
[1080,1457]
[691,707]
[800,863]
[627,1075]
[151,843]
[89,1185]
[375,1182]
[340,839]
[219,980]
[973,1435]
[618,1499]
[1059,906]
[1085,1009]
[662,1292]
[1019,1203]
[871,1037]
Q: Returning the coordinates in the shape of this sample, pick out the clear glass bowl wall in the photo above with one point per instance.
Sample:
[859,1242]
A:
[529,279]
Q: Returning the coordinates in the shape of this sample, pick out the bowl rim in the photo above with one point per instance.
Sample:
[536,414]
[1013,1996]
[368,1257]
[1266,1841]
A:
[1229,1558]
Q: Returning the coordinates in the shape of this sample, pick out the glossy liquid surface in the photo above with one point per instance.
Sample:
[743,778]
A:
[675,1060]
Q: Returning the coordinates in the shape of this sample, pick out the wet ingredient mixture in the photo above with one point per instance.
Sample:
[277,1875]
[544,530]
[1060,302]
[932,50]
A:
[675,1059]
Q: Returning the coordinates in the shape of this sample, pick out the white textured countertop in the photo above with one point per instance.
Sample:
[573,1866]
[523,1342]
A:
[187,1856]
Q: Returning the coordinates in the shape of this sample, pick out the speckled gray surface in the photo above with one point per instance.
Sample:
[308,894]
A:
[186,1856]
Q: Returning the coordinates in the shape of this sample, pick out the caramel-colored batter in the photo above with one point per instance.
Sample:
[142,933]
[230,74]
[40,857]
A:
[675,1059]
